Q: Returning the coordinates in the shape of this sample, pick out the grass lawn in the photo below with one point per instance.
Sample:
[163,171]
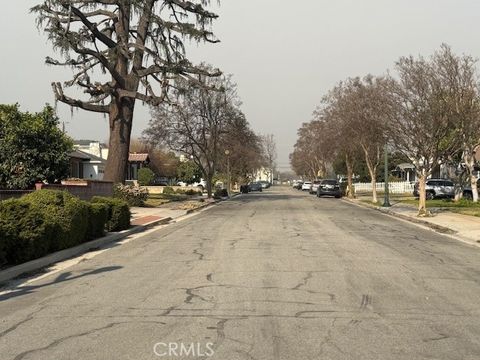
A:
[155,200]
[464,207]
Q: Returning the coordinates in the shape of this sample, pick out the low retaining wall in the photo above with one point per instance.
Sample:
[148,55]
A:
[159,189]
[85,190]
[9,194]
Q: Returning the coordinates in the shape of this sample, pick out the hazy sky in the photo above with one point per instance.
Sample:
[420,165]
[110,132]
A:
[284,55]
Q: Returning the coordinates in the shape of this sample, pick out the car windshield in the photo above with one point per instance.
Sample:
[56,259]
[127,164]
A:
[329,182]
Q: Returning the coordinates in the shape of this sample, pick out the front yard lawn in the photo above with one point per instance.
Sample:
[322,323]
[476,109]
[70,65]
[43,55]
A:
[155,200]
[464,207]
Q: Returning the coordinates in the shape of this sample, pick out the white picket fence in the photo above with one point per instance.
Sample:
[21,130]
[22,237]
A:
[402,187]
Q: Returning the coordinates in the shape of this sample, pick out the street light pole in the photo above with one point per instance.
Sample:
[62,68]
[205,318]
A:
[386,200]
[227,153]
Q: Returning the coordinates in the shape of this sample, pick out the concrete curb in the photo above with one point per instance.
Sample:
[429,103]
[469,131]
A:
[38,264]
[438,228]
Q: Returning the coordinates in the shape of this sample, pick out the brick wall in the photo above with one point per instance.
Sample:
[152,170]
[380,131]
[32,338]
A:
[85,190]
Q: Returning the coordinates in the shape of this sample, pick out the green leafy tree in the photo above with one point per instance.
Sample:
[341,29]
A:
[32,148]
[145,176]
[189,172]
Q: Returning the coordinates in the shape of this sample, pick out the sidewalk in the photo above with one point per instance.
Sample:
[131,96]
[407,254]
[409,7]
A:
[170,211]
[464,227]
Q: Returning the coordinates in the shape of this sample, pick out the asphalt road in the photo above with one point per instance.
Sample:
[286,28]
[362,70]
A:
[278,275]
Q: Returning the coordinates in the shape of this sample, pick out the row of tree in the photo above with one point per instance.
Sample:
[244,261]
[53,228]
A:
[428,111]
[205,123]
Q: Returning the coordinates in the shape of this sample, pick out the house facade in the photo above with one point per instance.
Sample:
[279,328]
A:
[89,158]
[86,166]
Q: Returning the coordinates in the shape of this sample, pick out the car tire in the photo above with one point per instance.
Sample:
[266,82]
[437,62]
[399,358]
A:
[430,195]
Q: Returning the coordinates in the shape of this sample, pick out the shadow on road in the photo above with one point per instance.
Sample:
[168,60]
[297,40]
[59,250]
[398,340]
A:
[65,276]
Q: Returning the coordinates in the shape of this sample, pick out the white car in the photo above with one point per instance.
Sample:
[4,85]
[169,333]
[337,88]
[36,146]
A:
[306,186]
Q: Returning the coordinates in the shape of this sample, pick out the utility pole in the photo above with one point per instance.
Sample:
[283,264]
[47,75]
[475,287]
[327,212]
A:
[386,200]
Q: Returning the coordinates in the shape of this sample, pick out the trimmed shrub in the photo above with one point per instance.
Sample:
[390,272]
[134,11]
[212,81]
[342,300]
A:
[168,190]
[192,192]
[180,191]
[145,176]
[133,195]
[25,234]
[118,218]
[63,211]
[97,220]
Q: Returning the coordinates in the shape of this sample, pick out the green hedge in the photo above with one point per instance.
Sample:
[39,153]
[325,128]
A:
[46,221]
[67,213]
[168,190]
[25,231]
[97,220]
[118,213]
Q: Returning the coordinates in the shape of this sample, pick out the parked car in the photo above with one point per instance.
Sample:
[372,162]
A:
[467,191]
[436,189]
[329,187]
[255,186]
[314,187]
[244,189]
[306,186]
[298,185]
[265,184]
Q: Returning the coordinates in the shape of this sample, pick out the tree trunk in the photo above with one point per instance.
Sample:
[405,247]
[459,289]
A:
[469,159]
[422,199]
[120,119]
[209,181]
[372,170]
[373,179]
[473,184]
[350,189]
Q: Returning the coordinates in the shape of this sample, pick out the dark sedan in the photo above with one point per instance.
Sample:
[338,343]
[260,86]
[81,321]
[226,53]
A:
[329,187]
[255,186]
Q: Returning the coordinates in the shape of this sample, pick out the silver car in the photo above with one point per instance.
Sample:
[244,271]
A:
[437,188]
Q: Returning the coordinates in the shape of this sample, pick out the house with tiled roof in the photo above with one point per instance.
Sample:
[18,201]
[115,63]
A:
[89,158]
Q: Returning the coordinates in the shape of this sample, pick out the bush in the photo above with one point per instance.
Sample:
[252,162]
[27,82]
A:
[118,218]
[145,176]
[63,211]
[133,195]
[180,192]
[97,220]
[25,234]
[46,221]
[192,192]
[168,190]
